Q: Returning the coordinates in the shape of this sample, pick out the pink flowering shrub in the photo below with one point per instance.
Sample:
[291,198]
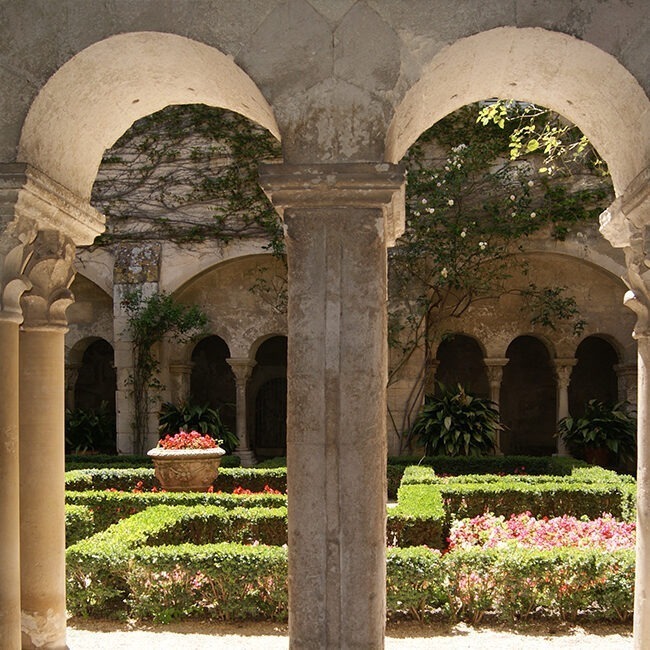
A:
[524,531]
[188,440]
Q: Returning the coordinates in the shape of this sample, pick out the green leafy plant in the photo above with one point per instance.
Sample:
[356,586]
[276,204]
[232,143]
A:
[601,426]
[90,430]
[194,417]
[457,424]
[150,319]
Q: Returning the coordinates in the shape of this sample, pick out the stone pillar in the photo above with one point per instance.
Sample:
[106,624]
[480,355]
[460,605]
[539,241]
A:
[179,378]
[137,266]
[563,370]
[625,225]
[42,480]
[339,219]
[430,371]
[242,369]
[494,369]
[13,258]
[71,375]
[626,374]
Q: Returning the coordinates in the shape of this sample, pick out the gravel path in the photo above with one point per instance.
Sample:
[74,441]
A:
[104,635]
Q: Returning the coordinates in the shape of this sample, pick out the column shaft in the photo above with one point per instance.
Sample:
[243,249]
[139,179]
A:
[9,490]
[242,369]
[642,585]
[336,441]
[42,489]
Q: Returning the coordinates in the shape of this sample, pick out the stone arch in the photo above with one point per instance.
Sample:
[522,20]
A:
[528,398]
[594,375]
[96,96]
[268,394]
[570,76]
[460,361]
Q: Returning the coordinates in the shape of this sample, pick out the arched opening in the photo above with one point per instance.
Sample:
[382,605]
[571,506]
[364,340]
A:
[268,390]
[460,361]
[90,417]
[528,399]
[594,375]
[212,382]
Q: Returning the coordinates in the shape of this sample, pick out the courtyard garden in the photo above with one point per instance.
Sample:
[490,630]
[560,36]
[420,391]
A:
[499,538]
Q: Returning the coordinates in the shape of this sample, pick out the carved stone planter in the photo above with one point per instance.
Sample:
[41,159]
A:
[186,470]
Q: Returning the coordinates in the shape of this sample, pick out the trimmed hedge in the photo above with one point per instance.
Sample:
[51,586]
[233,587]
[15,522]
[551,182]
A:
[511,584]
[586,492]
[460,465]
[418,518]
[126,479]
[111,507]
[118,573]
[79,523]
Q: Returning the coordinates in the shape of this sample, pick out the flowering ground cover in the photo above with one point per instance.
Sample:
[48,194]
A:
[525,531]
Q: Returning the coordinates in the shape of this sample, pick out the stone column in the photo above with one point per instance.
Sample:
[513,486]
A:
[625,225]
[626,374]
[179,378]
[42,480]
[242,369]
[494,369]
[13,258]
[563,370]
[430,371]
[339,219]
[71,375]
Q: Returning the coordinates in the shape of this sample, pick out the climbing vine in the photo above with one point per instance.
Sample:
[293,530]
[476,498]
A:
[150,319]
[186,174]
[472,199]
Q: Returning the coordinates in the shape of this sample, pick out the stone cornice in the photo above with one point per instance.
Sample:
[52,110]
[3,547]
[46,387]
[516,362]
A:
[27,193]
[338,185]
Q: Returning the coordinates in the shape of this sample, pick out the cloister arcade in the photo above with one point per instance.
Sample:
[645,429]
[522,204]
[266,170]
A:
[347,87]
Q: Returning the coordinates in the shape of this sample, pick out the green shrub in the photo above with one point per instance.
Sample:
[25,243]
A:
[541,499]
[75,462]
[111,507]
[417,519]
[455,423]
[79,523]
[90,429]
[127,479]
[511,584]
[460,465]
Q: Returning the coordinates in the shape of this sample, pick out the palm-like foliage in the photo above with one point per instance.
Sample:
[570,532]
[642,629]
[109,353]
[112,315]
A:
[455,423]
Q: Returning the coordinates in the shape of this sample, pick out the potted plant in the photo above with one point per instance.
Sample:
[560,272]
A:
[187,461]
[455,423]
[196,417]
[605,433]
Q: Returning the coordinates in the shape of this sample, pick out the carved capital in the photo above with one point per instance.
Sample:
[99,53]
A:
[242,369]
[494,367]
[50,272]
[626,224]
[338,185]
[563,370]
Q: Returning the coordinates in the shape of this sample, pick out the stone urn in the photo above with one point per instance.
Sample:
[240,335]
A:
[186,470]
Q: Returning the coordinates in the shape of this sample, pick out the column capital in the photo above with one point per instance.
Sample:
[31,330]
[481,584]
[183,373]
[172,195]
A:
[242,368]
[626,224]
[495,362]
[338,185]
[50,272]
[563,369]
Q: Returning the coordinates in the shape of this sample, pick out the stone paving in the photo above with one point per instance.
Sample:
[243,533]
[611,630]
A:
[205,636]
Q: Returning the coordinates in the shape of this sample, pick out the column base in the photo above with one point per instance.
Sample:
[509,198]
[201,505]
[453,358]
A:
[247,457]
